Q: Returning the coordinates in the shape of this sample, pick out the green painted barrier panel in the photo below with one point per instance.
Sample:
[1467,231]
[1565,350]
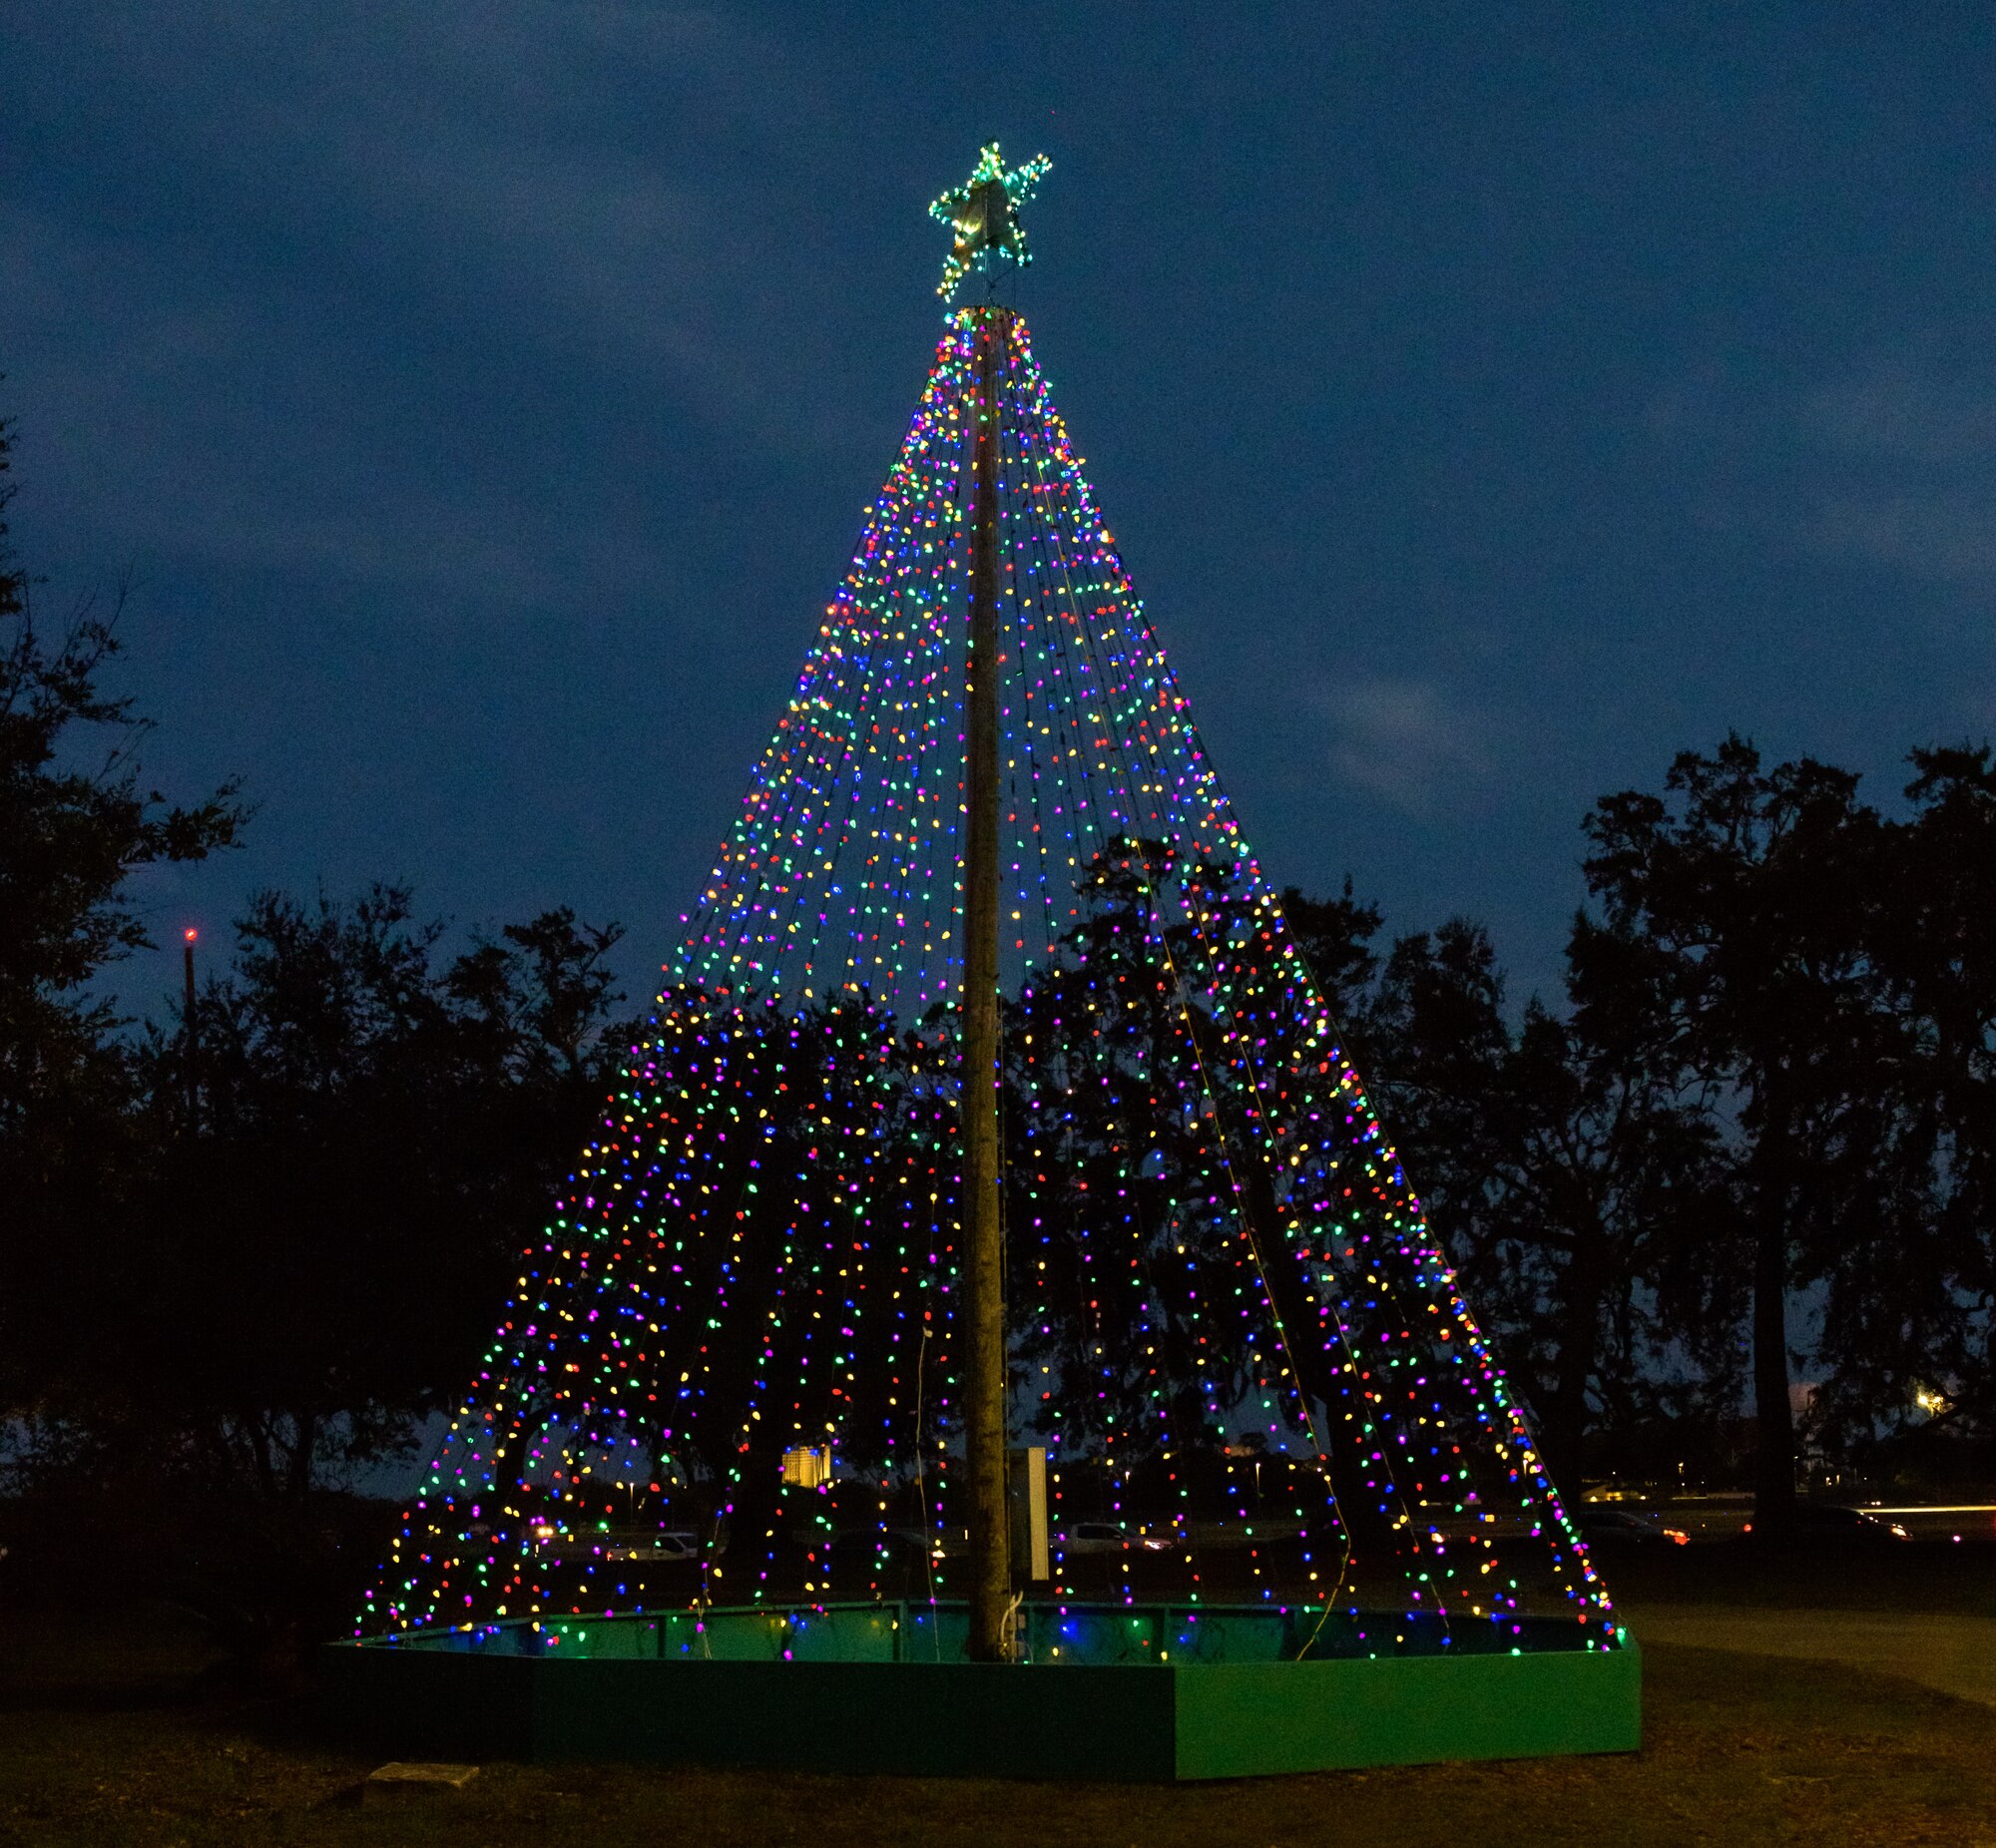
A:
[1256,1719]
[1114,1692]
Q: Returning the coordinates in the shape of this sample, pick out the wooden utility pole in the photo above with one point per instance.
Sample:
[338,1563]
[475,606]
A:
[984,1398]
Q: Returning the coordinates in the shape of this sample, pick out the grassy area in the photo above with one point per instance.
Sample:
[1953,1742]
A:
[106,1743]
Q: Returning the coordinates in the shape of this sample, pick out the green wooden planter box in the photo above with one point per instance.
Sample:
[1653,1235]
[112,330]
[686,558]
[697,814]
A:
[882,1689]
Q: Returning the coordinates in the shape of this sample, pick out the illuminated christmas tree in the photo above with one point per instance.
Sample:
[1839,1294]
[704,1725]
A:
[989,1105]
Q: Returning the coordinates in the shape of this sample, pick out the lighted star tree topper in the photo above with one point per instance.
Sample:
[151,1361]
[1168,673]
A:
[982,215]
[987,912]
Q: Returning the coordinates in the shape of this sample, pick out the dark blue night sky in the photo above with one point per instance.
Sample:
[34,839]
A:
[1490,401]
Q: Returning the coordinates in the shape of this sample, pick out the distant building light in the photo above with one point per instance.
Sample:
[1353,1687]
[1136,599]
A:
[810,1468]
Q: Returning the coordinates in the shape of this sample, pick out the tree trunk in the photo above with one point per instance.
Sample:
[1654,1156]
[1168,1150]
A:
[1774,1424]
[304,1451]
[1565,1421]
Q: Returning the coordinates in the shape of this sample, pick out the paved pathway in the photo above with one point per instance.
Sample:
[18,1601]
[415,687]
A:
[1956,1655]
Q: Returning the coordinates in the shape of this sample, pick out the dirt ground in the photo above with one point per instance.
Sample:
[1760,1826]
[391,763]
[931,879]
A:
[1953,1654]
[109,1737]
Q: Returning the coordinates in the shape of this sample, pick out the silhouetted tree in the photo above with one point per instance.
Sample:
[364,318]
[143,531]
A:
[1906,1342]
[1736,937]
[1561,1164]
[76,819]
[381,1130]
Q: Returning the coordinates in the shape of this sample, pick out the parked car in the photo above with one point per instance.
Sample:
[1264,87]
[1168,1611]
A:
[669,1546]
[1819,1524]
[1104,1537]
[1616,1528]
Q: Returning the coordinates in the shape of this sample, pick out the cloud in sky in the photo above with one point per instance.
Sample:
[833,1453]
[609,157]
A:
[209,425]
[1942,416]
[316,298]
[1909,450]
[1410,742]
[1943,533]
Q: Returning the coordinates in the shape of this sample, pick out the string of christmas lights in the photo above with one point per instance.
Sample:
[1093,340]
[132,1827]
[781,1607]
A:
[731,1369]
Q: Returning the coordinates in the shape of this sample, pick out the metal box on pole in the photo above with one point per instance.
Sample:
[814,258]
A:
[1026,1506]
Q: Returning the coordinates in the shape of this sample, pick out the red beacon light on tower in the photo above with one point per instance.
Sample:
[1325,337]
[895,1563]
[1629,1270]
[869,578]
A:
[190,934]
